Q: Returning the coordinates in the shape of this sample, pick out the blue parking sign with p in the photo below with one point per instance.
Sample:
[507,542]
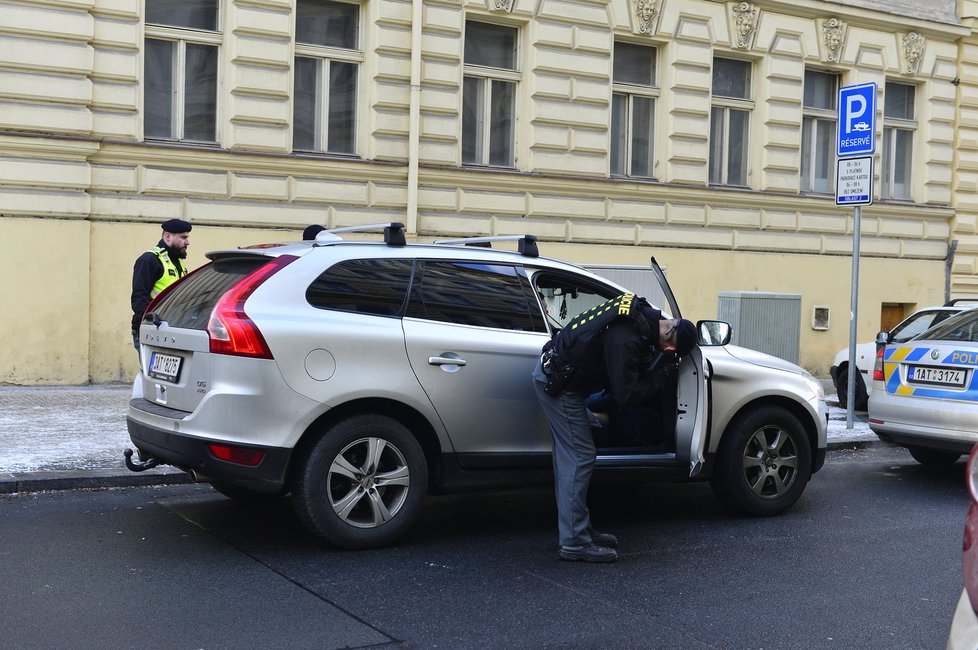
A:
[857,120]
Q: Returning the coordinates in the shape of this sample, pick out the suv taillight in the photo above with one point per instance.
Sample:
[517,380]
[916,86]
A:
[878,367]
[230,329]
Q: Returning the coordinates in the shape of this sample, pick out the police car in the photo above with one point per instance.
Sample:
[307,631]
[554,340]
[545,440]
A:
[925,392]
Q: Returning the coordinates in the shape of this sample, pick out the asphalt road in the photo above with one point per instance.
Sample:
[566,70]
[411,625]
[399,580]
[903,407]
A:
[869,558]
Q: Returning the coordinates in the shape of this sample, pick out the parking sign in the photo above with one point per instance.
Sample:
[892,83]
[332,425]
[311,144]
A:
[857,120]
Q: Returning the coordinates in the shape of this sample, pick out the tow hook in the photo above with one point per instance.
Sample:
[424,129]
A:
[139,465]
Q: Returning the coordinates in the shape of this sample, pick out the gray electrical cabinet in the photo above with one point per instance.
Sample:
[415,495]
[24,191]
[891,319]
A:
[763,321]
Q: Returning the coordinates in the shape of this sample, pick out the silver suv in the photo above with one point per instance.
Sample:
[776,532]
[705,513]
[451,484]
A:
[362,375]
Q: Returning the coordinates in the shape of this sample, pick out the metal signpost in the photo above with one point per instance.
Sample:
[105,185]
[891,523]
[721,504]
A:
[855,146]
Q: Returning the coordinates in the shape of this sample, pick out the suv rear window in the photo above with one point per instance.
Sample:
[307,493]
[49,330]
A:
[188,305]
[371,286]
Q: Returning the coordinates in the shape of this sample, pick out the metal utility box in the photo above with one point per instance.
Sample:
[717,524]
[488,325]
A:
[763,321]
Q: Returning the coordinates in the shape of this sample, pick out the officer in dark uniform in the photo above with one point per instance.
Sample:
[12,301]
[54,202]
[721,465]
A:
[158,268]
[611,346]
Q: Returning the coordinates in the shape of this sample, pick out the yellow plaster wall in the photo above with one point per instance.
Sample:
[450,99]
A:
[697,277]
[44,301]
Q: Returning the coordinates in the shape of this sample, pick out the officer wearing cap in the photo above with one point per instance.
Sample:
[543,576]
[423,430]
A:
[158,268]
[612,346]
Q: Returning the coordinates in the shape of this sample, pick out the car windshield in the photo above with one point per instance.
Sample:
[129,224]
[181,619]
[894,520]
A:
[961,327]
[919,323]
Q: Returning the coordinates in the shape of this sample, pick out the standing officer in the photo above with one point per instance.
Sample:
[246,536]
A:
[158,268]
[610,346]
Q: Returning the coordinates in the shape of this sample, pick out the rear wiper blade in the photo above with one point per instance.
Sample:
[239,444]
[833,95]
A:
[153,317]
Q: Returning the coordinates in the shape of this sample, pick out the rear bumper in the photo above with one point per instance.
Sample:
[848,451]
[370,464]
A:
[932,423]
[193,455]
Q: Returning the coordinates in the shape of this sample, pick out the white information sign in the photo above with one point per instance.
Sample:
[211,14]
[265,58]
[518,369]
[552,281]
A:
[854,181]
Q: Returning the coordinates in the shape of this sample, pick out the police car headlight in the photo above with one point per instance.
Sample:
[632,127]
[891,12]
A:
[814,384]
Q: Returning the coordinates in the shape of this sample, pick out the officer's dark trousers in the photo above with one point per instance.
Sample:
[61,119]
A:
[573,459]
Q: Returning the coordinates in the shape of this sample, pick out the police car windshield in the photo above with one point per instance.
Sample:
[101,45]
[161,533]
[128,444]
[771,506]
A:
[961,327]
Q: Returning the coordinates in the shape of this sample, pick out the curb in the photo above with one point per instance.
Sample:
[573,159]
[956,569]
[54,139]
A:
[44,481]
[11,483]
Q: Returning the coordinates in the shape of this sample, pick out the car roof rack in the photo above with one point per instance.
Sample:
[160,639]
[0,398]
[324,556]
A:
[527,244]
[956,301]
[393,232]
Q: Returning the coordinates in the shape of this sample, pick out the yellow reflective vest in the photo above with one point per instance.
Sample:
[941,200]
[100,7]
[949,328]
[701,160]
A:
[171,272]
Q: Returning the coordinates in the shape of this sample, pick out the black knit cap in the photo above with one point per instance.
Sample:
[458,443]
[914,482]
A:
[176,226]
[311,231]
[685,336]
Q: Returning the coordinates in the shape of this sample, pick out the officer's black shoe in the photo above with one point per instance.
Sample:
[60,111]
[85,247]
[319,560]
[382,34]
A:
[603,539]
[587,553]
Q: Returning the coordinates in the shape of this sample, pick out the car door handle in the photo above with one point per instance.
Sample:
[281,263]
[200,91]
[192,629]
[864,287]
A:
[445,361]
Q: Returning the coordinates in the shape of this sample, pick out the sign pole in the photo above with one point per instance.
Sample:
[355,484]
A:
[854,314]
[854,149]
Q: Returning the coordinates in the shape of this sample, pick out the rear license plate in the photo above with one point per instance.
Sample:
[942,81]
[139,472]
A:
[164,366]
[938,376]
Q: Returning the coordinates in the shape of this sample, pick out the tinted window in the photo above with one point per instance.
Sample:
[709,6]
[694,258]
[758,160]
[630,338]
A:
[487,295]
[963,327]
[918,324]
[374,286]
[566,296]
[189,304]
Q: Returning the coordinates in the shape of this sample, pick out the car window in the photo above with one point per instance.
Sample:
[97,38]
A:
[962,327]
[368,286]
[917,324]
[189,304]
[564,296]
[466,293]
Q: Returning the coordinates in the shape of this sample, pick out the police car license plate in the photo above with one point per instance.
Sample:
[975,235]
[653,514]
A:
[164,366]
[940,376]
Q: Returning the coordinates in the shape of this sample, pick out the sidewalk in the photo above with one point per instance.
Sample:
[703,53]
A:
[66,437]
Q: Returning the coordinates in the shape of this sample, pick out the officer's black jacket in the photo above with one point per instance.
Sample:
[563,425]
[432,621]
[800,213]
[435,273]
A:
[617,359]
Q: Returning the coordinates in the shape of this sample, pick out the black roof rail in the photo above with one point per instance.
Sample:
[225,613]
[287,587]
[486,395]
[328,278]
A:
[955,301]
[526,244]
[393,231]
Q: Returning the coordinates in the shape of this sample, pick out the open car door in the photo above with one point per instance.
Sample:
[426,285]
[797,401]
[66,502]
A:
[691,402]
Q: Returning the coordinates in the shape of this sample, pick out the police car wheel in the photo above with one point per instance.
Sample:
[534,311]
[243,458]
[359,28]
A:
[935,458]
[763,463]
[362,483]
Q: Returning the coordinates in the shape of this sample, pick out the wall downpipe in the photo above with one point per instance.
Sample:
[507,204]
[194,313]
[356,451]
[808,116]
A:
[414,117]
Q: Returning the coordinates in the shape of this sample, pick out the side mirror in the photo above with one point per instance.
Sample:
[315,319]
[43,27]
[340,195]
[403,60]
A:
[713,332]
[882,339]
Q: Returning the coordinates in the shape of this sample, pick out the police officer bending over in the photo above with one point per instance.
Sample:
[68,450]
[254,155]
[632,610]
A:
[611,346]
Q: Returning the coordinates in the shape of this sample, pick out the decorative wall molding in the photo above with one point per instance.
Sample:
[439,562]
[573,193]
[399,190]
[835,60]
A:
[834,38]
[647,13]
[745,17]
[500,5]
[913,51]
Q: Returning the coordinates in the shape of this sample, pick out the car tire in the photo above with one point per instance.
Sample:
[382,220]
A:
[246,496]
[362,483]
[842,390]
[936,458]
[763,463]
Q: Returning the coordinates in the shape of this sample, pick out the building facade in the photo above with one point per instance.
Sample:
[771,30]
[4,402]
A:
[697,131]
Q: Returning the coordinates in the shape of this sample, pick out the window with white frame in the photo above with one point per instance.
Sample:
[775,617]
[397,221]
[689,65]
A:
[489,94]
[818,131]
[328,55]
[633,110]
[730,121]
[899,126]
[180,70]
